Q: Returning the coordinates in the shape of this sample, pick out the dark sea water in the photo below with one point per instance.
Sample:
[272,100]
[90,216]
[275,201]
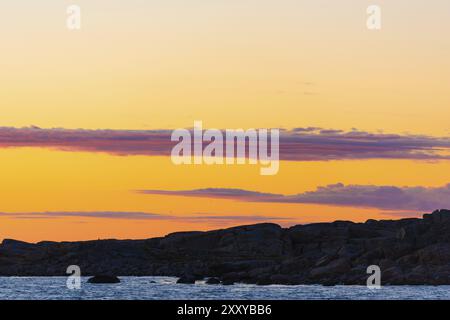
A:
[165,288]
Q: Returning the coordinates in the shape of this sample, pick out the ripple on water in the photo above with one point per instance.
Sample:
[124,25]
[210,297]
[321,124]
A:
[165,288]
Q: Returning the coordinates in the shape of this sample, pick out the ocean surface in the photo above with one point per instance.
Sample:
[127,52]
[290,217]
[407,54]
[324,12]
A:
[165,288]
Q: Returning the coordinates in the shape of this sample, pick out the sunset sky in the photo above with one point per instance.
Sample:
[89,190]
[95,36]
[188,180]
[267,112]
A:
[86,116]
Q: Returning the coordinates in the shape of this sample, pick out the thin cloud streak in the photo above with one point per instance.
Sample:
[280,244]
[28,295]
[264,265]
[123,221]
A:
[140,216]
[298,144]
[369,196]
[94,214]
[217,193]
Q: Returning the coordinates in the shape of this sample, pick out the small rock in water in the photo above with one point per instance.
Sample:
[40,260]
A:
[186,280]
[104,279]
[227,283]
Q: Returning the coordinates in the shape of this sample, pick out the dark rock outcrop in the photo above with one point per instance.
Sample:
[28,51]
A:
[227,282]
[104,279]
[186,279]
[408,251]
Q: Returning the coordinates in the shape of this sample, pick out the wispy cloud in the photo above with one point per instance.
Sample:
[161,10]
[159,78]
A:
[381,197]
[299,144]
[200,218]
[117,142]
[94,214]
[217,193]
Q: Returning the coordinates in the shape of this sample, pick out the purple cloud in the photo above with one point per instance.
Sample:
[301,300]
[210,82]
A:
[117,142]
[95,214]
[223,193]
[381,197]
[299,144]
[201,218]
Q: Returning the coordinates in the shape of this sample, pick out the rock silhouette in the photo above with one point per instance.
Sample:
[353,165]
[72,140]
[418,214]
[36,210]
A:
[408,251]
[186,280]
[104,279]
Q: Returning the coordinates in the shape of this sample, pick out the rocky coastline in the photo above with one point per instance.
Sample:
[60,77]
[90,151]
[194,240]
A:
[408,251]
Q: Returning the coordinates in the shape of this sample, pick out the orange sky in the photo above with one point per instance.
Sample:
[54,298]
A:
[230,64]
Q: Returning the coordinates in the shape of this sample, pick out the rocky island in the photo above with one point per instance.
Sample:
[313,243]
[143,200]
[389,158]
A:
[408,251]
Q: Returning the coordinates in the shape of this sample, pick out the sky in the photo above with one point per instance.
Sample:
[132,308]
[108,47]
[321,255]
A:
[86,115]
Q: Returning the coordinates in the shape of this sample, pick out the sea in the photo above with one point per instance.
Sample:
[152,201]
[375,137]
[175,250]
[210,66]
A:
[166,288]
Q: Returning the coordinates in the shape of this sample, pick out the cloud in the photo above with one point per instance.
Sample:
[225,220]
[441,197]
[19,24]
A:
[299,144]
[117,142]
[314,144]
[306,129]
[95,214]
[215,193]
[201,218]
[381,197]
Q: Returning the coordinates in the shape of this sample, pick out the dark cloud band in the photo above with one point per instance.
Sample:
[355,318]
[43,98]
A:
[381,197]
[299,144]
